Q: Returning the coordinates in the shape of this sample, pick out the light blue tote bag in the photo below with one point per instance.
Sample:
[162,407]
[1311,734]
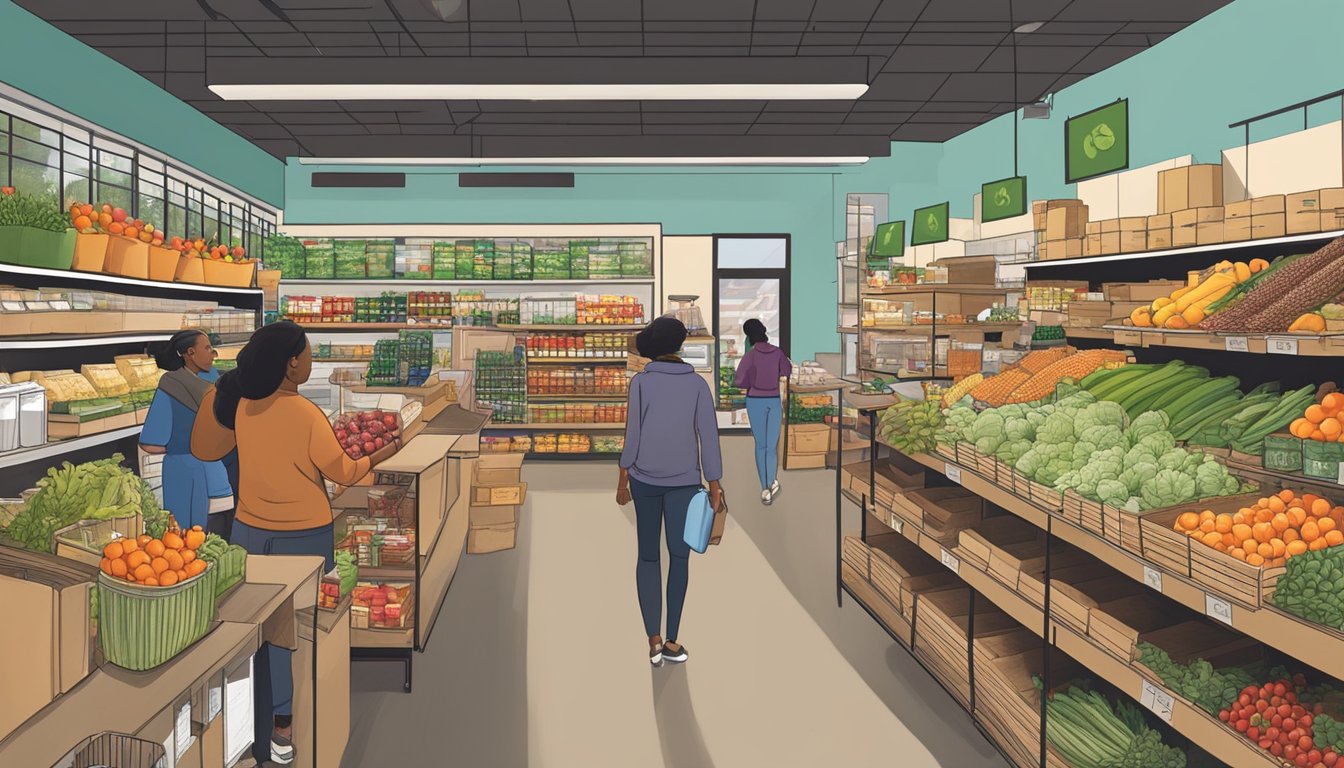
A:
[700,522]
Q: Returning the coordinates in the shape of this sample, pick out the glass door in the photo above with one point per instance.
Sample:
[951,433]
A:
[751,281]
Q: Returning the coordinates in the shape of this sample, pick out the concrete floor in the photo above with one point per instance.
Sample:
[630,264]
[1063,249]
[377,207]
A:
[538,658]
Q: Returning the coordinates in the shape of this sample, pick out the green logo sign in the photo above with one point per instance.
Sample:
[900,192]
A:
[1097,142]
[1003,199]
[930,225]
[888,242]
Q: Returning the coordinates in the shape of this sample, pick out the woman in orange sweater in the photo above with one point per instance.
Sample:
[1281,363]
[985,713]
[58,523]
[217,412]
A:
[286,447]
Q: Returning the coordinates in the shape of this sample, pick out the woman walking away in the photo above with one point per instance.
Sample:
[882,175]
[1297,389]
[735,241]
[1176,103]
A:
[759,373]
[671,440]
[197,493]
[286,447]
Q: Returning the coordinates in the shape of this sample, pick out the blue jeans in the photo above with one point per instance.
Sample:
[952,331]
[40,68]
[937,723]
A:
[273,688]
[656,507]
[765,413]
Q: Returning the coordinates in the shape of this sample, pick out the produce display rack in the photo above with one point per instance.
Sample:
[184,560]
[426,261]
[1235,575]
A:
[930,332]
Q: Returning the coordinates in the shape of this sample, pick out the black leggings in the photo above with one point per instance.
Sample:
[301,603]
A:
[657,507]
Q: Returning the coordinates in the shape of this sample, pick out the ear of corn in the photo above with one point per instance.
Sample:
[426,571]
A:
[961,389]
[1041,385]
[1286,293]
[994,390]
[1037,361]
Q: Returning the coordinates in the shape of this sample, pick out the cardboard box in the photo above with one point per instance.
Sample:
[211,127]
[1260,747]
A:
[1332,208]
[501,469]
[1191,186]
[1159,239]
[1159,221]
[1209,232]
[1268,225]
[1065,223]
[1092,245]
[498,495]
[1092,228]
[1303,212]
[1110,243]
[1141,292]
[1269,204]
[1040,208]
[1133,224]
[1185,225]
[49,650]
[486,517]
[1237,221]
[1110,225]
[1061,249]
[492,538]
[1134,242]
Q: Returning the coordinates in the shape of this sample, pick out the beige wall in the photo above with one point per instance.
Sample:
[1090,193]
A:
[688,268]
[1131,193]
[1277,165]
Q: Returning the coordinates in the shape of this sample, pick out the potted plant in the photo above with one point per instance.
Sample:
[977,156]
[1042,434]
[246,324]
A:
[33,232]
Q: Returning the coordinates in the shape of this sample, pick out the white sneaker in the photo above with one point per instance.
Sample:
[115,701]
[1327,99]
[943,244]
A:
[774,489]
[767,498]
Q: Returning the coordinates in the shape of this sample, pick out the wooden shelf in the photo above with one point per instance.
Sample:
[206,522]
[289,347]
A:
[593,327]
[1220,250]
[969,289]
[373,327]
[62,447]
[557,426]
[615,397]
[923,330]
[410,283]
[578,361]
[1292,635]
[1205,730]
[1292,344]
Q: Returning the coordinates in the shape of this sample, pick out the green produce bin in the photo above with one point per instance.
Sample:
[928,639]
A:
[141,628]
[1283,453]
[32,247]
[231,569]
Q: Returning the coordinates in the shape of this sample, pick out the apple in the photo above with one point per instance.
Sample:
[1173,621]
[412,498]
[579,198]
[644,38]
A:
[119,214]
[238,252]
[378,442]
[352,452]
[369,448]
[341,434]
[366,437]
[390,421]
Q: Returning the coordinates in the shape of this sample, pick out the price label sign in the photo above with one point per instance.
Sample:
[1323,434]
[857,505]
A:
[1218,608]
[1158,701]
[897,524]
[950,561]
[1340,479]
[1278,345]
[1237,344]
[953,473]
[1152,577]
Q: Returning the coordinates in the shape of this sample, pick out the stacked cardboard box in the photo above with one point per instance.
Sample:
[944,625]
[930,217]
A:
[1191,186]
[1063,228]
[1319,210]
[1197,226]
[1159,232]
[497,490]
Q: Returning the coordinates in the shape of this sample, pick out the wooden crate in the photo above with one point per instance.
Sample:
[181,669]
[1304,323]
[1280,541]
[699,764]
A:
[1162,544]
[1201,638]
[947,451]
[84,541]
[1116,625]
[1216,571]
[885,577]
[1067,566]
[917,587]
[939,512]
[1007,562]
[978,543]
[854,553]
[1071,602]
[1045,497]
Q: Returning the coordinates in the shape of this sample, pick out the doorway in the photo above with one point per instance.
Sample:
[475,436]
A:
[751,279]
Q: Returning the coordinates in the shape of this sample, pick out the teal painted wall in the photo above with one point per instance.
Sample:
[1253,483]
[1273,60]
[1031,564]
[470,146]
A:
[1250,57]
[50,65]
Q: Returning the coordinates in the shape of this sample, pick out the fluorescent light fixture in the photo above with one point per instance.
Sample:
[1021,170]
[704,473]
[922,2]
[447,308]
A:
[1029,27]
[484,161]
[540,92]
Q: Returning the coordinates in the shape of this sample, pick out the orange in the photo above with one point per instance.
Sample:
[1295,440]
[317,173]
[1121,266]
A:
[1263,532]
[182,574]
[1315,414]
[175,561]
[1326,524]
[105,565]
[1250,545]
[83,222]
[1206,526]
[119,568]
[1255,559]
[1220,546]
[1223,523]
[1241,531]
[1227,540]
[1297,516]
[1300,428]
[104,219]
[137,559]
[1290,535]
[143,572]
[195,538]
[1187,521]
[1212,539]
[1265,550]
[1206,515]
[1332,403]
[113,551]
[195,567]
[1318,436]
[1276,504]
[151,582]
[1331,427]
[1277,562]
[188,555]
[168,578]
[1317,545]
[1278,546]
[159,565]
[1237,552]
[128,546]
[172,540]
[1264,514]
[1334,538]
[1286,495]
[155,548]
[1280,522]
[1320,507]
[1310,531]
[1296,547]
[117,228]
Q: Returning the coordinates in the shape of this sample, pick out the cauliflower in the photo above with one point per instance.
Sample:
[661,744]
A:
[1167,488]
[958,421]
[1112,492]
[1045,462]
[1057,429]
[1137,476]
[1173,459]
[1011,450]
[1102,414]
[1211,479]
[1103,436]
[1157,443]
[1146,424]
[1018,428]
[987,432]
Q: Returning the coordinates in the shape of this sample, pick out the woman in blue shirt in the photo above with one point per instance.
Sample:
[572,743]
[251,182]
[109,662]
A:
[193,490]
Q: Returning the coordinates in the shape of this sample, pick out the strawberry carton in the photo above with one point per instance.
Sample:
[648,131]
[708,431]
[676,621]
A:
[363,433]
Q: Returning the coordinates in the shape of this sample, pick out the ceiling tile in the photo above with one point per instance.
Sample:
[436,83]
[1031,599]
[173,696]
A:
[926,132]
[492,10]
[986,86]
[905,86]
[1104,57]
[899,10]
[698,10]
[714,129]
[931,58]
[784,10]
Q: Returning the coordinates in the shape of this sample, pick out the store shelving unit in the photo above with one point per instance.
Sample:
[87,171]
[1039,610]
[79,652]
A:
[963,299]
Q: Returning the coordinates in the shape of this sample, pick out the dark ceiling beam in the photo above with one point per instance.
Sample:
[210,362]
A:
[224,70]
[596,146]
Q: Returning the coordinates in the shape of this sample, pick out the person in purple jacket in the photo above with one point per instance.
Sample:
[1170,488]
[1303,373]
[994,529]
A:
[759,373]
[671,440]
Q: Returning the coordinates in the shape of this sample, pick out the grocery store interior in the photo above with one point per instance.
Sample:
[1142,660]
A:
[506,383]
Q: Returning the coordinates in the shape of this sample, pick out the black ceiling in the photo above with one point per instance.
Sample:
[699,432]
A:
[936,68]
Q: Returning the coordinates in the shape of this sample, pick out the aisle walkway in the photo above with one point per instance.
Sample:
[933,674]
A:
[538,657]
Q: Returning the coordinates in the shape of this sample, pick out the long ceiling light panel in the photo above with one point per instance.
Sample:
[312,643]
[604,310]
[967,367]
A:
[540,92]
[568,161]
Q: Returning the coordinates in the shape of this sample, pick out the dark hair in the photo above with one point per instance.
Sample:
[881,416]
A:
[755,331]
[169,354]
[261,368]
[663,336]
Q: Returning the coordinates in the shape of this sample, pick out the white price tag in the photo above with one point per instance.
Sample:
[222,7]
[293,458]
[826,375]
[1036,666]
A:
[1237,344]
[951,561]
[897,524]
[214,702]
[1340,479]
[182,728]
[1218,608]
[1152,577]
[1279,345]
[953,473]
[1156,700]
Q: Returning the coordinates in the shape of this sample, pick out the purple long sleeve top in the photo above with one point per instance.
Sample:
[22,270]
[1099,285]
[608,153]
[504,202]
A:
[671,433]
[761,369]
